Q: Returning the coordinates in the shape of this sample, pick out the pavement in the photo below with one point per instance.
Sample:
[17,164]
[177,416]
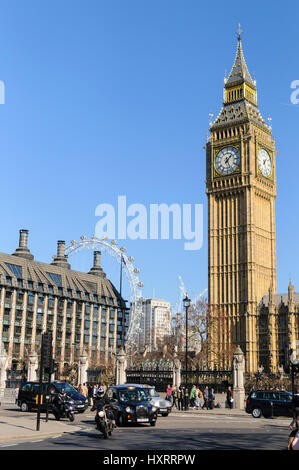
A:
[216,411]
[15,425]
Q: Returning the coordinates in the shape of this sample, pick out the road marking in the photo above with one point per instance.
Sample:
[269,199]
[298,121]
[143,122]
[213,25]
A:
[9,445]
[39,440]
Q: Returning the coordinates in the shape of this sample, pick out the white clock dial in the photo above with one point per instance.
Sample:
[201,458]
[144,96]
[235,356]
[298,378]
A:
[227,160]
[264,162]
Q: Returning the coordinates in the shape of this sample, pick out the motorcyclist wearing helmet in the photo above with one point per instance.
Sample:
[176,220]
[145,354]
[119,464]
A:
[59,399]
[102,400]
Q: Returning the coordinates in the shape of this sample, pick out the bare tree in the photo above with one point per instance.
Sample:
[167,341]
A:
[208,336]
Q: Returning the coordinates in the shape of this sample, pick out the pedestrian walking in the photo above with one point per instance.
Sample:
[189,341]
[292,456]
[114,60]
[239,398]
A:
[85,390]
[294,436]
[206,398]
[197,399]
[16,392]
[94,391]
[169,394]
[230,397]
[211,399]
[180,398]
[175,397]
[200,398]
[186,398]
[90,395]
[193,396]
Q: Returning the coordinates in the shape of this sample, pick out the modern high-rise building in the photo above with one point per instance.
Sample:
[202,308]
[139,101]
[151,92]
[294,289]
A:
[155,324]
[241,190]
[83,310]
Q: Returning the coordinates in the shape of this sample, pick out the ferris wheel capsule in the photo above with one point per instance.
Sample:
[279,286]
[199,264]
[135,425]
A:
[113,242]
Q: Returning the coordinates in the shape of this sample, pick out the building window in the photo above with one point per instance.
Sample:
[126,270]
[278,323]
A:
[15,269]
[56,278]
[87,308]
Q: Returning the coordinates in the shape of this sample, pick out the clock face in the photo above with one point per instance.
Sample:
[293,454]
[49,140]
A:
[227,160]
[264,162]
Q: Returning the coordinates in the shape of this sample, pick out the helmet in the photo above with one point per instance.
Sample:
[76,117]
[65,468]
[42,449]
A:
[100,392]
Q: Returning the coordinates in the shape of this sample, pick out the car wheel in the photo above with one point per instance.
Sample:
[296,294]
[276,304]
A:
[164,414]
[24,406]
[256,413]
[153,423]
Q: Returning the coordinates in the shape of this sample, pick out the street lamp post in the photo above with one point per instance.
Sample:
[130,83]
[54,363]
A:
[187,303]
[294,366]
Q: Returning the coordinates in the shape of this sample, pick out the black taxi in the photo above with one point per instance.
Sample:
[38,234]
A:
[27,398]
[130,404]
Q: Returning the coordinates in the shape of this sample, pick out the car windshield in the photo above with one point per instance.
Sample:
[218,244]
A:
[132,395]
[67,387]
[151,392]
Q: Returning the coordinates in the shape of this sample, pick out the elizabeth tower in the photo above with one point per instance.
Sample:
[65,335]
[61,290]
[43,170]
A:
[241,190]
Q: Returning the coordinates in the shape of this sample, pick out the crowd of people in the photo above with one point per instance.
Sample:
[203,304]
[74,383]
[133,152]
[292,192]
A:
[181,398]
[90,391]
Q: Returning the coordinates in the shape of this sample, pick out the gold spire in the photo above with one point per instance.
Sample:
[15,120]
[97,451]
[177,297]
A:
[239,32]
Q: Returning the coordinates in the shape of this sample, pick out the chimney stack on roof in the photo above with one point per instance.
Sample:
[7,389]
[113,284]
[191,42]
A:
[96,269]
[23,250]
[61,258]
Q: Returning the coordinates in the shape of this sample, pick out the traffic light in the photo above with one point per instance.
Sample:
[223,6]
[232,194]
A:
[53,367]
[47,350]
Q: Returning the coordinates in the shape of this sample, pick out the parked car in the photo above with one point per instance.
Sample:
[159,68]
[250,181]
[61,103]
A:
[261,402]
[164,406]
[130,404]
[27,398]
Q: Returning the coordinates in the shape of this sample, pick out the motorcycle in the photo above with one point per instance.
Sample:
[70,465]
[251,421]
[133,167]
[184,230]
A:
[103,423]
[65,410]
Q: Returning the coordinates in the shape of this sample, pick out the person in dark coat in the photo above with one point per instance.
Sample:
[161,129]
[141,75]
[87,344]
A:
[211,398]
[206,398]
[180,394]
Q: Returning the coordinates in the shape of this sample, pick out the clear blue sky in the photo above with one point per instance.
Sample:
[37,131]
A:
[108,98]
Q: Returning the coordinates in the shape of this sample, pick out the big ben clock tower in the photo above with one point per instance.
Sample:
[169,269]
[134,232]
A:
[241,190]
